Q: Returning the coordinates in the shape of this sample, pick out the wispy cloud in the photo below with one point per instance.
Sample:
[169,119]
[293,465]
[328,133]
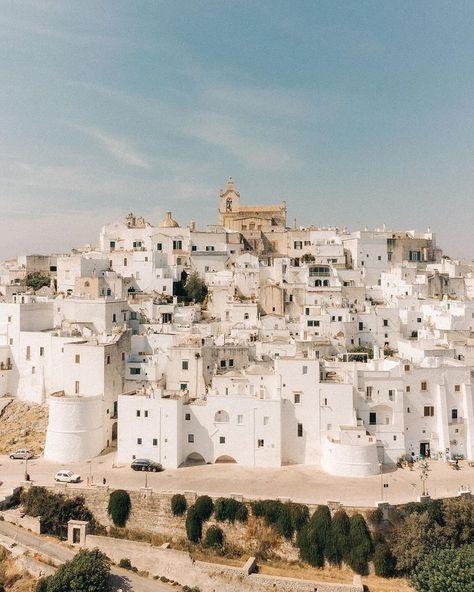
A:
[119,148]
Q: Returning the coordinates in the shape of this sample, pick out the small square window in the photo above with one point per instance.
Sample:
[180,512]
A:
[184,365]
[41,351]
[221,439]
[457,388]
[191,438]
[266,419]
[240,419]
[146,412]
[407,367]
[260,443]
[187,416]
[138,413]
[155,441]
[394,438]
[300,430]
[77,359]
[297,398]
[222,364]
[424,385]
[407,388]
[305,369]
[139,441]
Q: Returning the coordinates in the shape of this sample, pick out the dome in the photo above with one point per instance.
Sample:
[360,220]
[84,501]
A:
[168,222]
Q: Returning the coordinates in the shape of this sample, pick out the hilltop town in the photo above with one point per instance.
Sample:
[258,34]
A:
[248,341]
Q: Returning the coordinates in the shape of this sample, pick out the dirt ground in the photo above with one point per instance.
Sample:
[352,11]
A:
[23,425]
[11,578]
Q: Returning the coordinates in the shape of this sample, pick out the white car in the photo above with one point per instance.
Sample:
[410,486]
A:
[22,453]
[67,477]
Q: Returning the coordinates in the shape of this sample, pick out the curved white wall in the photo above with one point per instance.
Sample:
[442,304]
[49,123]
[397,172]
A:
[75,429]
[349,460]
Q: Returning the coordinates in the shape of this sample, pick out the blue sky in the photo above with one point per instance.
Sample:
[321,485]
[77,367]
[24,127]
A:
[356,113]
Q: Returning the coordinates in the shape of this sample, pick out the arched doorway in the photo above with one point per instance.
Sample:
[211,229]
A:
[193,459]
[225,458]
[114,431]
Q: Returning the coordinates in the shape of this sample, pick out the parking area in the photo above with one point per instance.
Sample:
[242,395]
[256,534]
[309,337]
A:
[301,483]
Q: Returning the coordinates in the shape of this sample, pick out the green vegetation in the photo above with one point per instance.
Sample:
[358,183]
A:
[119,507]
[444,570]
[313,539]
[214,537]
[193,525]
[37,280]
[204,507]
[384,561]
[88,571]
[337,546]
[179,504]
[360,545]
[55,510]
[229,510]
[195,288]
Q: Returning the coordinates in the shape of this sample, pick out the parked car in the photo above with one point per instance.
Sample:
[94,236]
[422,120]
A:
[66,476]
[22,453]
[145,464]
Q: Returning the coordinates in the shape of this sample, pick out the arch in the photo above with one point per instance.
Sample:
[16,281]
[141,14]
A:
[225,459]
[325,282]
[114,431]
[317,283]
[194,459]
[221,416]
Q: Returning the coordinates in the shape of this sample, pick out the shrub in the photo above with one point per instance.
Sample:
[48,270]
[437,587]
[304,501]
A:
[119,507]
[384,561]
[214,537]
[321,524]
[88,570]
[299,515]
[445,569]
[193,525]
[337,544]
[309,548]
[204,506]
[229,510]
[284,524]
[42,585]
[360,545]
[375,516]
[55,509]
[125,563]
[179,504]
[268,509]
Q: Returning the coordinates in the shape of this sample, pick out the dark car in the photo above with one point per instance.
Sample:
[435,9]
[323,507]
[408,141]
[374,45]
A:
[145,464]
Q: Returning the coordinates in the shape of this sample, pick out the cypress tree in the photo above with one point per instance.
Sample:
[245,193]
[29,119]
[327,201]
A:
[338,543]
[320,523]
[360,545]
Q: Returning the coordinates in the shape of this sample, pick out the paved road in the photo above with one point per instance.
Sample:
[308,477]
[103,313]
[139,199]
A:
[307,484]
[127,581]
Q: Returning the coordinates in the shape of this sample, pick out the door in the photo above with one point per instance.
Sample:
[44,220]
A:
[424,449]
[372,418]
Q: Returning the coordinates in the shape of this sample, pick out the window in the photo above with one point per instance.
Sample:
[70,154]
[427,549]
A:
[77,358]
[177,245]
[391,395]
[209,248]
[108,359]
[187,416]
[123,356]
[135,371]
[372,418]
[361,326]
[385,322]
[33,370]
[191,438]
[125,262]
[368,393]
[408,409]
[159,246]
[407,367]
[428,411]
[76,387]
[9,319]
[266,419]
[184,365]
[407,388]
[300,430]
[424,385]
[138,413]
[221,439]
[139,441]
[418,320]
[260,443]
[454,413]
[240,419]
[457,388]
[41,351]
[183,386]
[394,438]
[231,363]
[325,402]
[297,398]
[222,363]
[306,311]
[146,412]
[155,441]
[28,352]
[305,369]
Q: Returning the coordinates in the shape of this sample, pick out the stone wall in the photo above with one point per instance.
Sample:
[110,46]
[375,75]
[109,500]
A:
[209,577]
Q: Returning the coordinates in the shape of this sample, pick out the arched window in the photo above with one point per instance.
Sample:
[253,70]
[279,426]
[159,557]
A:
[221,417]
[317,283]
[325,282]
[246,316]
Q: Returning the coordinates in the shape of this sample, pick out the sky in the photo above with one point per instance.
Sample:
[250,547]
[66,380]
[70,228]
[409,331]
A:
[357,113]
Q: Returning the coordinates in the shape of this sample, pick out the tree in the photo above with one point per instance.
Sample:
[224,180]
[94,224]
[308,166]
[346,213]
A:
[360,545]
[88,571]
[193,525]
[308,258]
[37,280]
[321,523]
[195,288]
[179,504]
[309,547]
[204,507]
[337,544]
[119,507]
[285,523]
[214,537]
[230,510]
[384,561]
[441,570]
[299,515]
[458,519]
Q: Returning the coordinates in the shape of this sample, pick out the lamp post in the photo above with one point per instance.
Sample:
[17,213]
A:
[381,481]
